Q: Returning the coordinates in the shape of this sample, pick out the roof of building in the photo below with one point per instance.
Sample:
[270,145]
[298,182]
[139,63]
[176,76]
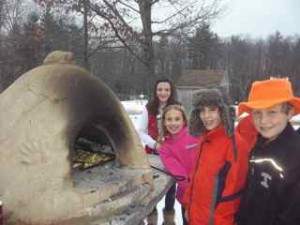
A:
[193,79]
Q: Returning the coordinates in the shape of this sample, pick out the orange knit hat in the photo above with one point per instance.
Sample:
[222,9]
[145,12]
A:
[268,93]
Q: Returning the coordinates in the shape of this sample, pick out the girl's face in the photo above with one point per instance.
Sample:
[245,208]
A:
[163,92]
[174,121]
[210,116]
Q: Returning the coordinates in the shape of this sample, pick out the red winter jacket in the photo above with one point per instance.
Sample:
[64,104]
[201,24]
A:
[247,130]
[213,195]
[152,129]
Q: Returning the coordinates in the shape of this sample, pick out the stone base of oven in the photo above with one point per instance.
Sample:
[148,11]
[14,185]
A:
[137,203]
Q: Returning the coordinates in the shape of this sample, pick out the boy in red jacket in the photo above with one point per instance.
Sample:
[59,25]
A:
[219,175]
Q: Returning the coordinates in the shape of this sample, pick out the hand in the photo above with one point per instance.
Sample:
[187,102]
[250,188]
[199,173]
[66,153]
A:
[186,215]
[161,139]
[157,146]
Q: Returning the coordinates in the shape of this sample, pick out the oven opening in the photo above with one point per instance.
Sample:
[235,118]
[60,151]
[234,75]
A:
[92,148]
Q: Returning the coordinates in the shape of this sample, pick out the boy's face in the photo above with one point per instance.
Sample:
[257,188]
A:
[271,122]
[210,116]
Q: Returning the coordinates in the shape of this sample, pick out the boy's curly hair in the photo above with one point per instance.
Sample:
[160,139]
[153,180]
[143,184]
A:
[210,97]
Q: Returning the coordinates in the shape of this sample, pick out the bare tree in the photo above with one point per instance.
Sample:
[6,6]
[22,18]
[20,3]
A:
[10,29]
[136,23]
[139,22]
[2,3]
[169,55]
[239,57]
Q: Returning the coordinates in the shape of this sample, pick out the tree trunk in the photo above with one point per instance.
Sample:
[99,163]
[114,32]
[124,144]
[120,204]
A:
[148,50]
[86,35]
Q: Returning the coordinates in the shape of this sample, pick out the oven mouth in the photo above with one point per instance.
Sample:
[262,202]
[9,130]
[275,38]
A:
[92,147]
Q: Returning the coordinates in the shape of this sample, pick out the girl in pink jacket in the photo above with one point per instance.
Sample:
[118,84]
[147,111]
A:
[178,152]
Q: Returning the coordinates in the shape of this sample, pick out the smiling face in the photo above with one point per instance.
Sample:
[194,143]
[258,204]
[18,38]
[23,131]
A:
[210,117]
[271,122]
[174,121]
[163,92]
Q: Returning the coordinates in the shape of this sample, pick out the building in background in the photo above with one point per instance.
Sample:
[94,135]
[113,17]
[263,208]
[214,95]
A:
[193,80]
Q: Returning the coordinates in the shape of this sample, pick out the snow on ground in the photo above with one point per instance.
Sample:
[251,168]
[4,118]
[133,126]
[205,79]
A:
[134,109]
[296,121]
[178,217]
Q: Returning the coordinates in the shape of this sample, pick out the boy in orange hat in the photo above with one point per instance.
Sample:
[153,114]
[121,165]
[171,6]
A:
[272,194]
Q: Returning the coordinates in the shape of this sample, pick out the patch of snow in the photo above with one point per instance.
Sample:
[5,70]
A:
[296,118]
[134,109]
[296,121]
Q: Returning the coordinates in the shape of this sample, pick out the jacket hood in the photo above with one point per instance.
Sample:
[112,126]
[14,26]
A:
[210,97]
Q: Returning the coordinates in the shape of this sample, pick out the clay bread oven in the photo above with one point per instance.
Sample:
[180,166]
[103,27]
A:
[42,115]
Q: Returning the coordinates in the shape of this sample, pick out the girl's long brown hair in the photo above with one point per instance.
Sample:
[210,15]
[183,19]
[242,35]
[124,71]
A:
[154,104]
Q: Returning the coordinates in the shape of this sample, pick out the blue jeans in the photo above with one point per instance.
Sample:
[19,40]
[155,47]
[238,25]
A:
[170,198]
[183,217]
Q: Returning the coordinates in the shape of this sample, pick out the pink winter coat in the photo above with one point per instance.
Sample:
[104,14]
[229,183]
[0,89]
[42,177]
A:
[178,155]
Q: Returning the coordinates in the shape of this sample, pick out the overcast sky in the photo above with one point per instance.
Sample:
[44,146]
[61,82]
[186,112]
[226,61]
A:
[259,18]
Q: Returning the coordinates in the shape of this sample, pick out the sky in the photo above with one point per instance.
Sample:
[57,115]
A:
[258,18]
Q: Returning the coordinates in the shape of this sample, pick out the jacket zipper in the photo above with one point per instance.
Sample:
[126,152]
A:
[196,169]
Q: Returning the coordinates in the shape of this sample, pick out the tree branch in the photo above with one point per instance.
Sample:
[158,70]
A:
[129,6]
[109,18]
